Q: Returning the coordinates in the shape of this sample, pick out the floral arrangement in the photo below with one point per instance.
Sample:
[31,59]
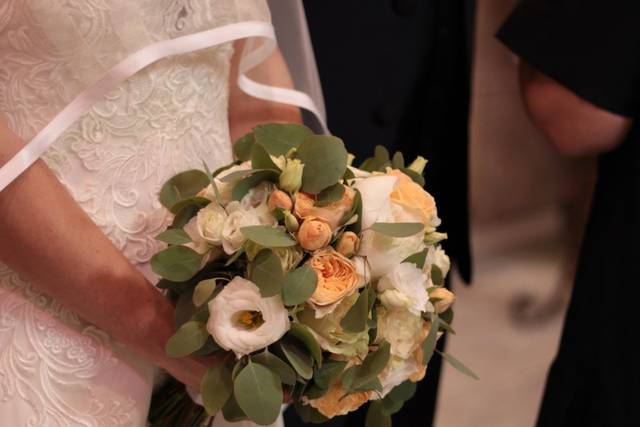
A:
[312,279]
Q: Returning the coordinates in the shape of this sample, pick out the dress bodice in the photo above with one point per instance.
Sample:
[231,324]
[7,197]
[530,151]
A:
[55,369]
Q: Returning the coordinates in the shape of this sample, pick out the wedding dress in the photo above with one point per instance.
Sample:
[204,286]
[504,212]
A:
[56,370]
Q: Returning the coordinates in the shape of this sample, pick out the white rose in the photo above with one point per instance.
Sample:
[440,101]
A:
[240,320]
[210,221]
[385,252]
[238,217]
[401,329]
[226,188]
[404,287]
[199,244]
[437,256]
[376,201]
[396,372]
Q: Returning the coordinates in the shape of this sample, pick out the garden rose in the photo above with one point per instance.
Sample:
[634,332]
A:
[337,277]
[348,243]
[210,221]
[332,214]
[314,234]
[401,329]
[241,321]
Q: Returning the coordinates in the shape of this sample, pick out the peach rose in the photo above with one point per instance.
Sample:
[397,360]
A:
[336,403]
[337,277]
[279,199]
[304,206]
[411,195]
[348,243]
[314,234]
[444,299]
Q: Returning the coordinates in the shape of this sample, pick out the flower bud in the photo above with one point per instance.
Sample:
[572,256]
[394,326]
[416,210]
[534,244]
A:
[418,164]
[434,237]
[350,159]
[290,222]
[314,234]
[279,199]
[444,299]
[291,176]
[348,244]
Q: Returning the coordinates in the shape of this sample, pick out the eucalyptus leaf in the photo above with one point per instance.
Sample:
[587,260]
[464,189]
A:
[436,275]
[373,384]
[176,263]
[183,186]
[232,412]
[314,392]
[298,358]
[285,372]
[239,366]
[208,348]
[258,392]
[458,365]
[233,258]
[398,160]
[243,186]
[356,210]
[203,291]
[260,159]
[309,414]
[190,337]
[184,215]
[363,377]
[381,153]
[185,310]
[299,285]
[243,146]
[266,272]
[239,174]
[356,318]
[418,258]
[398,229]
[268,236]
[447,316]
[325,162]
[174,236]
[302,334]
[216,388]
[429,345]
[196,201]
[278,139]
[396,398]
[330,195]
[329,373]
[376,417]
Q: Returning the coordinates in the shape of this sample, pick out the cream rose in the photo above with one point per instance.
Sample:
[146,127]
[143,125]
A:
[348,243]
[210,221]
[337,277]
[405,287]
[240,320]
[304,207]
[401,329]
[314,234]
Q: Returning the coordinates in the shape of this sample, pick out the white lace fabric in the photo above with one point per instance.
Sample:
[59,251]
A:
[55,369]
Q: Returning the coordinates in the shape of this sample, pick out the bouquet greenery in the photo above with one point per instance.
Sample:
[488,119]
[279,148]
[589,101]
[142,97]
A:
[313,279]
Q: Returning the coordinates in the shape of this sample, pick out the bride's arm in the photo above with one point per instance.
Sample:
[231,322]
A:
[50,241]
[246,111]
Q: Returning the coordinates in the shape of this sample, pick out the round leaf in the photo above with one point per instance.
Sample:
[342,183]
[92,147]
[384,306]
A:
[242,147]
[299,285]
[176,263]
[197,202]
[325,162]
[260,159]
[285,372]
[183,186]
[216,388]
[301,362]
[330,195]
[174,236]
[267,236]
[245,184]
[302,334]
[190,337]
[203,291]
[398,229]
[258,392]
[356,318]
[267,274]
[278,139]
[376,417]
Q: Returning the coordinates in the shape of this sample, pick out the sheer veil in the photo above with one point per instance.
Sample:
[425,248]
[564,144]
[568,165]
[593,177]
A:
[100,68]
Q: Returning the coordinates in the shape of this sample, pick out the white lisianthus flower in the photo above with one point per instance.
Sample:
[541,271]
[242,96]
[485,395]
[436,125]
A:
[404,287]
[401,329]
[210,221]
[437,256]
[241,321]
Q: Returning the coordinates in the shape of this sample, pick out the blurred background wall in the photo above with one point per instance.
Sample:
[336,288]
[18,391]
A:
[528,206]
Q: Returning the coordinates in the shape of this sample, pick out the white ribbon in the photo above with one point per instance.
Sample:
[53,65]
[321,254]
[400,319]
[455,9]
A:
[135,62]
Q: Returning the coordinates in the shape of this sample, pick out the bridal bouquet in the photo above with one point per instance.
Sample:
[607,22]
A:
[312,279]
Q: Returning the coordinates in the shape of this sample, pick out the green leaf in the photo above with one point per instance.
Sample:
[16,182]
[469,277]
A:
[363,377]
[285,372]
[415,176]
[302,334]
[258,392]
[197,202]
[183,186]
[458,365]
[185,309]
[299,285]
[208,348]
[398,160]
[447,316]
[396,398]
[418,258]
[329,373]
[376,417]
[436,275]
[356,210]
[203,291]
[429,345]
[398,229]
[174,236]
[182,218]
[445,326]
[266,273]
[189,338]
[301,361]
[232,412]
[330,195]
[373,384]
[176,263]
[381,153]
[260,159]
[278,139]
[268,236]
[243,146]
[325,162]
[309,414]
[356,318]
[233,258]
[238,175]
[239,366]
[315,392]
[245,184]
[216,388]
